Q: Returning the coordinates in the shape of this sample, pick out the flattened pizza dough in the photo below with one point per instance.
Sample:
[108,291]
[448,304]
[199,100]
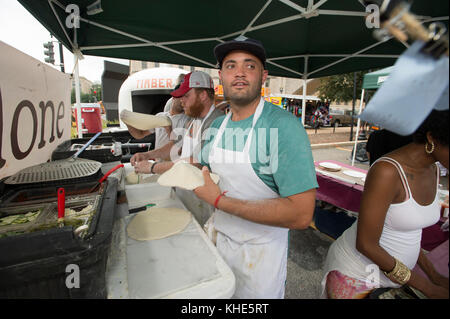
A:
[157,223]
[184,175]
[143,121]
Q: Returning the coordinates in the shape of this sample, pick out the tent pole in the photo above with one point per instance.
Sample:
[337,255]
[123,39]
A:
[353,104]
[77,97]
[358,127]
[305,78]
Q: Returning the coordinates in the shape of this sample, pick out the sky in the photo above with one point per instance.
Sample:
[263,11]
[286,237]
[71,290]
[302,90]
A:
[19,29]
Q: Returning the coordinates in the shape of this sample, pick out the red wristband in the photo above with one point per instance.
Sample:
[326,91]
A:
[217,199]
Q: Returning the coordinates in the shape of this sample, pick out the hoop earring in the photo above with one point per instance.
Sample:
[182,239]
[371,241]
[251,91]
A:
[432,147]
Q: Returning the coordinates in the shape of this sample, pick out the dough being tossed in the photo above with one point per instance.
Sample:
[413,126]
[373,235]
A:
[157,223]
[184,175]
[143,121]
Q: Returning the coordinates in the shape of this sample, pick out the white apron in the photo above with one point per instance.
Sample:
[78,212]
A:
[256,253]
[189,143]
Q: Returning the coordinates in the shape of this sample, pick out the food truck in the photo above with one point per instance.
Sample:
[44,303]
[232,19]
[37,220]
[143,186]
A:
[147,91]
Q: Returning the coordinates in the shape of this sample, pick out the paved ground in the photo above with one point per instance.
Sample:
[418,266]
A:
[308,248]
[330,135]
[307,252]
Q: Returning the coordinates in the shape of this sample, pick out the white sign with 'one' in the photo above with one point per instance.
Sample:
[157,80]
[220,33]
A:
[35,110]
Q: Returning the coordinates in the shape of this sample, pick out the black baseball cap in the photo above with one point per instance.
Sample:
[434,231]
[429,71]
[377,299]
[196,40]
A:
[252,46]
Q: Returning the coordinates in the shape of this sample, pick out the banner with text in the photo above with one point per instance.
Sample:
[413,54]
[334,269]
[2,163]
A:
[34,110]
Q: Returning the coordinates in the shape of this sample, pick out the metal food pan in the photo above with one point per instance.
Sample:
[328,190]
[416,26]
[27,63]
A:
[18,224]
[47,194]
[85,209]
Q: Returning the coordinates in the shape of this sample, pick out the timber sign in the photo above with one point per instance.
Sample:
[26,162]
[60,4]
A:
[34,110]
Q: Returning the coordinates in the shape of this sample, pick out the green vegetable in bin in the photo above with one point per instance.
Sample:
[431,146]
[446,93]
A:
[19,219]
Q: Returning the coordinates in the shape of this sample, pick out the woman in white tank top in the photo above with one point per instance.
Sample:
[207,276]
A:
[400,199]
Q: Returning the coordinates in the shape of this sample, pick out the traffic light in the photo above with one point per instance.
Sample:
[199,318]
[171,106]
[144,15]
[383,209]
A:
[49,52]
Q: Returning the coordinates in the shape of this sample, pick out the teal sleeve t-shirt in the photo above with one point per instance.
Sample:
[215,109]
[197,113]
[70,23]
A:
[280,151]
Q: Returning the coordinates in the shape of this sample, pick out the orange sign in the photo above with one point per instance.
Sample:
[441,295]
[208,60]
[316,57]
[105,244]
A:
[265,91]
[219,90]
[154,84]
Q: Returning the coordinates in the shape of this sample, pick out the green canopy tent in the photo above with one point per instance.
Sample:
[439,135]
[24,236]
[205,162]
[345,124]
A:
[371,81]
[303,38]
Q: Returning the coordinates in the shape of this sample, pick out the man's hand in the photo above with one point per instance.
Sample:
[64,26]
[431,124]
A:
[210,191]
[137,133]
[143,167]
[138,157]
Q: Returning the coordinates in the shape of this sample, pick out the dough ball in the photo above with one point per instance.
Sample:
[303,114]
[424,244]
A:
[132,178]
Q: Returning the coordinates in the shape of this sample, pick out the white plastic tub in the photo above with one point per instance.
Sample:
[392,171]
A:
[145,178]
[143,194]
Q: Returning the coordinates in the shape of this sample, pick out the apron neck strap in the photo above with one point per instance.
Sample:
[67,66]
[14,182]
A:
[211,109]
[256,115]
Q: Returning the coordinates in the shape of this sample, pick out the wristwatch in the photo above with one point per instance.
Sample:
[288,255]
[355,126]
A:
[153,165]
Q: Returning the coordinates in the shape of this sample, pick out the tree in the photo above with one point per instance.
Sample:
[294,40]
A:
[88,97]
[84,97]
[97,91]
[339,88]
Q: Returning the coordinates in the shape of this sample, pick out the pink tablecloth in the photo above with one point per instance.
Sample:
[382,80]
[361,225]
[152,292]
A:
[337,192]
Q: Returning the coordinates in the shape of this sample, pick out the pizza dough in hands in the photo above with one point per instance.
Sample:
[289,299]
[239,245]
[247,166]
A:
[184,175]
[143,121]
[156,223]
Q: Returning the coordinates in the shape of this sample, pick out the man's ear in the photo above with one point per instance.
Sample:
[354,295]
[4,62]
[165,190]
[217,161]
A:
[264,76]
[204,95]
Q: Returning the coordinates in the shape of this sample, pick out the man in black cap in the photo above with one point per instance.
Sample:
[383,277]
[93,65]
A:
[267,176]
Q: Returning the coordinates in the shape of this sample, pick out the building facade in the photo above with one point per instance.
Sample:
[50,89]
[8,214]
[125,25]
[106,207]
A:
[85,85]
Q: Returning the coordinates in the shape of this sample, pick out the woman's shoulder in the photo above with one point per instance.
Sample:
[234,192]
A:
[385,169]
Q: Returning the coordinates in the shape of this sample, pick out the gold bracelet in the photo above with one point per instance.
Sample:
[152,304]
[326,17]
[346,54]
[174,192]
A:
[400,273]
[403,274]
[393,271]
